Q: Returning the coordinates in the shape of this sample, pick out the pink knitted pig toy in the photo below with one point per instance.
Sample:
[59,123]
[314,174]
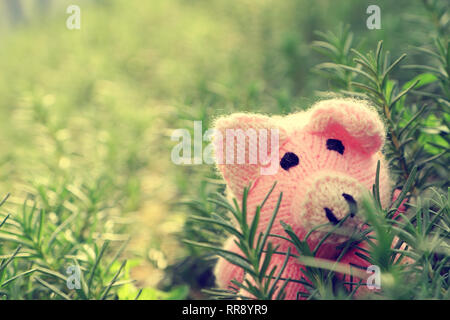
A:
[326,159]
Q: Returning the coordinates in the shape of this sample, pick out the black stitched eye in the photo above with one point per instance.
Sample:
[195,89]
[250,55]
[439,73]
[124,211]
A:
[289,160]
[335,145]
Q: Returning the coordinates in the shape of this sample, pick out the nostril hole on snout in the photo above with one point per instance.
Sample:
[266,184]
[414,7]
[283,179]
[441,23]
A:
[353,206]
[348,197]
[330,216]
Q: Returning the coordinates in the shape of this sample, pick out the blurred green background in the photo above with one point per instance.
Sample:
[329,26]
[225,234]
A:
[89,112]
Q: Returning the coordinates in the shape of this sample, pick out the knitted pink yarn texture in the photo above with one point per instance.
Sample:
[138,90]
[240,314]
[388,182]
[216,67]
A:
[326,161]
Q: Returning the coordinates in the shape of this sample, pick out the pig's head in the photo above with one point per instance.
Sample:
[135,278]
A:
[324,161]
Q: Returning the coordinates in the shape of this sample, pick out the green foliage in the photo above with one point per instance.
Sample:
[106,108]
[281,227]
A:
[257,250]
[48,245]
[74,146]
[86,117]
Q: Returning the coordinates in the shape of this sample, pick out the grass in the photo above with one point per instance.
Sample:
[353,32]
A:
[87,116]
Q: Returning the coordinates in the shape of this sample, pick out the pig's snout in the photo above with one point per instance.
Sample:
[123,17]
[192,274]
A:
[328,198]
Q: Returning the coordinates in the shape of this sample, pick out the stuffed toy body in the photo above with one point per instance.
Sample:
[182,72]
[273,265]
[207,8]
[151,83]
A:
[326,160]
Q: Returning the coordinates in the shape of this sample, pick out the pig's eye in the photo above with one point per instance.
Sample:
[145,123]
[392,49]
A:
[289,160]
[335,145]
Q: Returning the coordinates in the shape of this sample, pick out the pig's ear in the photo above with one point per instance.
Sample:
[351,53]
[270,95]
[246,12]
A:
[351,121]
[246,147]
